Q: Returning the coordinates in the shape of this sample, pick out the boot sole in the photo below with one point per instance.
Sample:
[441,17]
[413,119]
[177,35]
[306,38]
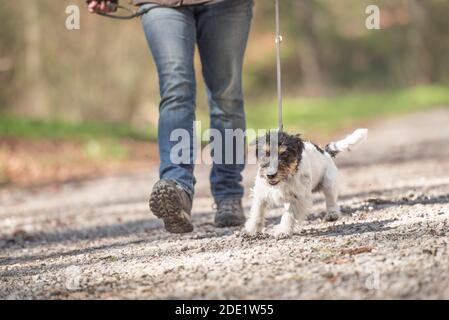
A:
[166,205]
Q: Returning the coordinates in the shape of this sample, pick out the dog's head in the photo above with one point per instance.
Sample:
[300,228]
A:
[278,155]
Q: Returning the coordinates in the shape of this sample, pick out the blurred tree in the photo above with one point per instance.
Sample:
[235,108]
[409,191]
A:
[104,71]
[419,58]
[309,47]
[36,100]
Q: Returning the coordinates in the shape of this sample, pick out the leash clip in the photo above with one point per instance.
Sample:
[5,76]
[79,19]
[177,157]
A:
[279,39]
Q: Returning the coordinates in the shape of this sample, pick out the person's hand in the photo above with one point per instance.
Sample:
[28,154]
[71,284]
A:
[101,6]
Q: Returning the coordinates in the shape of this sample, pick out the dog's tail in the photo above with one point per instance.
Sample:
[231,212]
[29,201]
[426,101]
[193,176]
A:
[347,144]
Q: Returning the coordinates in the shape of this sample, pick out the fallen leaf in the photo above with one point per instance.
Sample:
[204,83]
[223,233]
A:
[355,251]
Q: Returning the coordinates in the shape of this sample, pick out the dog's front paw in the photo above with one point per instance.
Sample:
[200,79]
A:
[332,216]
[282,233]
[252,229]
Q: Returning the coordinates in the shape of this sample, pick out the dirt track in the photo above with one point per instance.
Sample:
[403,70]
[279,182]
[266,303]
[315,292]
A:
[97,239]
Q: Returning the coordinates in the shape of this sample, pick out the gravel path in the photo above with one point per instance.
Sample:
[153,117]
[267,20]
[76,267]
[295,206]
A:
[97,239]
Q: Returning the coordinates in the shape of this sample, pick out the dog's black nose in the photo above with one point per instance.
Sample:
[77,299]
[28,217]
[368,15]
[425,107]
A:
[271,176]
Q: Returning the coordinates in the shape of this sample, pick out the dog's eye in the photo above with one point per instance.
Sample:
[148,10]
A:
[282,154]
[278,152]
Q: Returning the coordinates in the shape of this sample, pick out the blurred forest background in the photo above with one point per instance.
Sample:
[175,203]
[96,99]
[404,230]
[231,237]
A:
[99,83]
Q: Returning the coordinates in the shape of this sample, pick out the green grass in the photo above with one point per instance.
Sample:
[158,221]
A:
[328,115]
[11,126]
[323,115]
[104,149]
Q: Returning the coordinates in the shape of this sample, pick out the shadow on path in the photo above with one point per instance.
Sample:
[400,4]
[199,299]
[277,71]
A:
[351,229]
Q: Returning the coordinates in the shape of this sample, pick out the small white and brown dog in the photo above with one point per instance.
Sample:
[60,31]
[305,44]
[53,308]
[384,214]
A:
[297,169]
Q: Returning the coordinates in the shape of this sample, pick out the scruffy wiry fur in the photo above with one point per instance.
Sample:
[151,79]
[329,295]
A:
[302,168]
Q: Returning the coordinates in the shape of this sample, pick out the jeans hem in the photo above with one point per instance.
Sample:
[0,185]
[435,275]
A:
[187,190]
[228,197]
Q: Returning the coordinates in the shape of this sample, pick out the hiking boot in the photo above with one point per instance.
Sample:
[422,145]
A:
[229,213]
[171,203]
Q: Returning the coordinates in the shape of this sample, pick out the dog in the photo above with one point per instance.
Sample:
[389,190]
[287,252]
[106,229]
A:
[298,169]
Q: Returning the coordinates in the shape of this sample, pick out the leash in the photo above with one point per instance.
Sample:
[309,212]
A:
[130,13]
[279,67]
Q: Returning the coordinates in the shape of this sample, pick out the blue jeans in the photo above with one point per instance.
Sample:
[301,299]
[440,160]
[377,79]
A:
[221,32]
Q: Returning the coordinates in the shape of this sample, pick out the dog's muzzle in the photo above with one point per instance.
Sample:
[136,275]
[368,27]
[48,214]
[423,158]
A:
[272,179]
[270,171]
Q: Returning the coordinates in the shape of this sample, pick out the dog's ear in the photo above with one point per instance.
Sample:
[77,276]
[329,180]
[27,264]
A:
[299,145]
[255,142]
[298,139]
[259,143]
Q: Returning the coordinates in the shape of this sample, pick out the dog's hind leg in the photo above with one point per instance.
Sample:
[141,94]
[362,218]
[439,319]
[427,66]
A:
[330,190]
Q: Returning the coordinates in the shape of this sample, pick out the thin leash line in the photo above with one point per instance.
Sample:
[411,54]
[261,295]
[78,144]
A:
[279,67]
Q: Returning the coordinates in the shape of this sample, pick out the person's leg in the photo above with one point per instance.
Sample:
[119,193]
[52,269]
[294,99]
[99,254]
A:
[223,31]
[171,35]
